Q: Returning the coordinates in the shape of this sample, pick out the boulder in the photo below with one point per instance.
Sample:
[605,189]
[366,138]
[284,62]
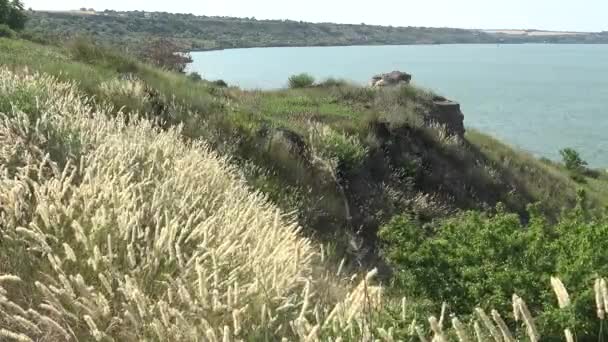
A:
[394,78]
[448,114]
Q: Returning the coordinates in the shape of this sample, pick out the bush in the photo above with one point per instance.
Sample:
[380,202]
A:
[6,32]
[575,164]
[347,150]
[166,54]
[479,259]
[195,76]
[301,81]
[333,82]
[572,160]
[220,83]
[85,50]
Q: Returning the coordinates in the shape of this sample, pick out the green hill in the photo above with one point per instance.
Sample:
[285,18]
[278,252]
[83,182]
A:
[204,33]
[141,204]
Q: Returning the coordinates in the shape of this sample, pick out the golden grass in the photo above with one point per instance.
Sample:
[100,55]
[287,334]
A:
[130,234]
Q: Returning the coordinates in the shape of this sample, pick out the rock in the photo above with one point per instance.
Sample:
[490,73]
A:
[394,78]
[447,113]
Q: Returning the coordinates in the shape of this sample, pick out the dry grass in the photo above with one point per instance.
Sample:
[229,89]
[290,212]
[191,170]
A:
[114,231]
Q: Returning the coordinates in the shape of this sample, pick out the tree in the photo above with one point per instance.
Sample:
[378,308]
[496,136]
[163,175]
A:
[12,14]
[165,54]
[572,160]
[195,76]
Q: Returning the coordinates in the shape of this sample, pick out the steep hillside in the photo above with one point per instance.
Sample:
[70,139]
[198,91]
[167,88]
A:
[140,204]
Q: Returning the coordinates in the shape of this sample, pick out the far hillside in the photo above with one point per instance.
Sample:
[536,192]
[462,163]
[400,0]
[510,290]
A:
[207,33]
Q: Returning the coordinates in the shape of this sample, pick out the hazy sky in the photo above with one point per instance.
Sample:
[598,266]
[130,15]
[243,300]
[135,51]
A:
[580,15]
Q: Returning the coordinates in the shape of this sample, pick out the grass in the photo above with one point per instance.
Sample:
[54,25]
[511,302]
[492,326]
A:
[115,231]
[136,234]
[548,182]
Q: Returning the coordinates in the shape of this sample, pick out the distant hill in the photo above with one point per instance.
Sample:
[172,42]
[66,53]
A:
[209,33]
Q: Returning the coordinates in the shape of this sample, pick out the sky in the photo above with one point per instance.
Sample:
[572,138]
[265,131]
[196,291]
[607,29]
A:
[562,15]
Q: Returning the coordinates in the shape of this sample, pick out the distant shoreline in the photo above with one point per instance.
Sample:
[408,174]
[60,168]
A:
[380,45]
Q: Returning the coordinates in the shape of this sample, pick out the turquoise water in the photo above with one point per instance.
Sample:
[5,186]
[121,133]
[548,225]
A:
[540,98]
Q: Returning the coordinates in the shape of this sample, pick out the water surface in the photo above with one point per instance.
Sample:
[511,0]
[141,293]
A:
[540,98]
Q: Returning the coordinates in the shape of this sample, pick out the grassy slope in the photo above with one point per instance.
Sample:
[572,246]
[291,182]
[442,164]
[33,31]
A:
[231,120]
[115,231]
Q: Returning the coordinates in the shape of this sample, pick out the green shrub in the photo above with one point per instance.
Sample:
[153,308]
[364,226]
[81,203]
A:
[301,81]
[333,82]
[220,83]
[347,150]
[6,32]
[195,76]
[575,164]
[480,259]
[572,160]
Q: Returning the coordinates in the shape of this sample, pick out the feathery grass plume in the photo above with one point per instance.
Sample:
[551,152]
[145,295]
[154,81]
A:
[502,326]
[561,293]
[403,308]
[604,291]
[444,310]
[306,297]
[599,299]
[211,336]
[9,278]
[420,333]
[569,335]
[69,252]
[226,336]
[527,318]
[563,300]
[340,267]
[478,333]
[516,312]
[386,335]
[14,336]
[460,330]
[437,330]
[488,324]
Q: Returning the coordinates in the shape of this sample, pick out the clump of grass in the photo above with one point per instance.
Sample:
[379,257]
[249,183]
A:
[121,87]
[347,150]
[303,80]
[355,94]
[85,50]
